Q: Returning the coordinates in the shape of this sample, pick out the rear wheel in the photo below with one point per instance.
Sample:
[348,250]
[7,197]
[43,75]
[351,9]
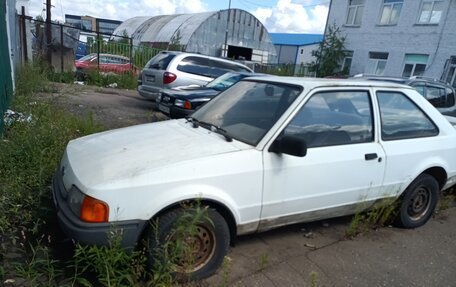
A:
[418,202]
[191,243]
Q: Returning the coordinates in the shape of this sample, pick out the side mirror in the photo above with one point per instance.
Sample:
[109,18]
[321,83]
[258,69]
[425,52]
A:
[291,145]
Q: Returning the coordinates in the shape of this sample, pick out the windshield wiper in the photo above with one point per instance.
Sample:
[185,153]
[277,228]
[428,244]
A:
[217,129]
[195,122]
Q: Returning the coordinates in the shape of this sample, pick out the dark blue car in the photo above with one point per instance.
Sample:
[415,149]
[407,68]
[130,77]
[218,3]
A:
[180,102]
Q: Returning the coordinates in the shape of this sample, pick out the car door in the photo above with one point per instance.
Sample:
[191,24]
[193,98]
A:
[342,170]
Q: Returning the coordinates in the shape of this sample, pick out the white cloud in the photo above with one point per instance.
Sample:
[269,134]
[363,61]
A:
[289,16]
[117,9]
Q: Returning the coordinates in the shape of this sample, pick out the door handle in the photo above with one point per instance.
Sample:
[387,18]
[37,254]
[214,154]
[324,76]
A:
[370,156]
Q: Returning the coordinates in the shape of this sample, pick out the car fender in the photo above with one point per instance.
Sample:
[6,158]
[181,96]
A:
[192,192]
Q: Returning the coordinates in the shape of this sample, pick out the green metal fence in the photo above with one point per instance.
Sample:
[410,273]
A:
[138,55]
[299,70]
[6,87]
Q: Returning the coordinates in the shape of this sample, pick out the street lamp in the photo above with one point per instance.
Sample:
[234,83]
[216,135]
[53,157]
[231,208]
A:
[226,30]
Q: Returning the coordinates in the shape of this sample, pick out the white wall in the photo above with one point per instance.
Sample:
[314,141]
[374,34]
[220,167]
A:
[305,54]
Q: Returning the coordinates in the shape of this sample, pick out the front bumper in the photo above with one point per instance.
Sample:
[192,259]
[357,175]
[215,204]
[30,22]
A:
[174,112]
[93,233]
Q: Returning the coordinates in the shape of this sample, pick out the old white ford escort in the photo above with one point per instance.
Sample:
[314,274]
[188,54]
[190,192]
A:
[265,153]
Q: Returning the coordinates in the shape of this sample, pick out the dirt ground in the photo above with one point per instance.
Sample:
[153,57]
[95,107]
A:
[113,108]
[316,254]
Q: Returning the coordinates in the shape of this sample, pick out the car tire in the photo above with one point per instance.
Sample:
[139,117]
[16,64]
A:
[418,202]
[211,237]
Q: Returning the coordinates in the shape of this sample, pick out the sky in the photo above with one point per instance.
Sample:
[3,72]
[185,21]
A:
[279,16]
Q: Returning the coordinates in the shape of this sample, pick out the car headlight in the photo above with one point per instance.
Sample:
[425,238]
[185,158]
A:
[87,208]
[75,198]
[179,103]
[183,104]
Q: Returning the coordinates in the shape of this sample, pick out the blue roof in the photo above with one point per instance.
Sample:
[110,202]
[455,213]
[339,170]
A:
[295,39]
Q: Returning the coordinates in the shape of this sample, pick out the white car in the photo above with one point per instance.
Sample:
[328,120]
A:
[268,151]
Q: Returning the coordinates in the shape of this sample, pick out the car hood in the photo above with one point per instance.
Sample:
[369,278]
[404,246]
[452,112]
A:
[134,151]
[189,93]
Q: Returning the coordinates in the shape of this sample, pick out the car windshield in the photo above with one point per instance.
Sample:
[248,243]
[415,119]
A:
[87,57]
[248,110]
[225,81]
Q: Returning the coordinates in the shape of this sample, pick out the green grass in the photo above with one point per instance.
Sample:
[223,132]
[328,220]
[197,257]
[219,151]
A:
[29,155]
[380,214]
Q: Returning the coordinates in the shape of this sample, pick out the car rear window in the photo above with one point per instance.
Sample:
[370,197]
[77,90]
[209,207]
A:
[160,61]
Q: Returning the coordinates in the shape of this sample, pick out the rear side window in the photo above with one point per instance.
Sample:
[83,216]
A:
[160,61]
[440,97]
[402,119]
[196,65]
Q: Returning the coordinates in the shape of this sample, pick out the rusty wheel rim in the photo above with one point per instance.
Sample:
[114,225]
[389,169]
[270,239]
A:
[198,250]
[419,203]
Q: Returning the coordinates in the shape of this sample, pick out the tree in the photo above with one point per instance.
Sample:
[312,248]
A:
[330,54]
[174,43]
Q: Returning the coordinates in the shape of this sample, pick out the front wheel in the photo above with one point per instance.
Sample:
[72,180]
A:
[192,242]
[418,202]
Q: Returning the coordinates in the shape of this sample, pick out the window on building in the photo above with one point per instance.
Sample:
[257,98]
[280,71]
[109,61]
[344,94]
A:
[414,65]
[450,71]
[390,12]
[87,25]
[402,119]
[431,12]
[346,62]
[377,63]
[355,12]
[302,51]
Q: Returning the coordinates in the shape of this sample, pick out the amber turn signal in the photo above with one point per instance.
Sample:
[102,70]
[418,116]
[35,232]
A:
[187,105]
[94,210]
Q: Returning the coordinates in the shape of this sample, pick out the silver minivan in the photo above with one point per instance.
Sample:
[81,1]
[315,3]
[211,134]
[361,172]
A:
[170,69]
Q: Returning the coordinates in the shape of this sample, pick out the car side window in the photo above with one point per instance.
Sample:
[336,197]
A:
[439,97]
[402,119]
[103,60]
[334,118]
[195,65]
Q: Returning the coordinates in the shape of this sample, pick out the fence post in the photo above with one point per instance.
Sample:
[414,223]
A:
[131,54]
[98,51]
[61,48]
[24,35]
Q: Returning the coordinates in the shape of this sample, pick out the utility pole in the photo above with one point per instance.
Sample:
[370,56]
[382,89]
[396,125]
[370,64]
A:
[48,33]
[226,31]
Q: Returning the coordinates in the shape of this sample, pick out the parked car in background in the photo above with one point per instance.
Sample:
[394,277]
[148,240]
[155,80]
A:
[170,69]
[108,63]
[180,102]
[267,152]
[439,93]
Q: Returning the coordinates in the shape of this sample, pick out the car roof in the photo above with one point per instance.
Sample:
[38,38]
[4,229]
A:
[108,55]
[311,83]
[184,54]
[406,81]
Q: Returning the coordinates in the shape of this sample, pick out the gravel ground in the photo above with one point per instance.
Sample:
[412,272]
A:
[113,108]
